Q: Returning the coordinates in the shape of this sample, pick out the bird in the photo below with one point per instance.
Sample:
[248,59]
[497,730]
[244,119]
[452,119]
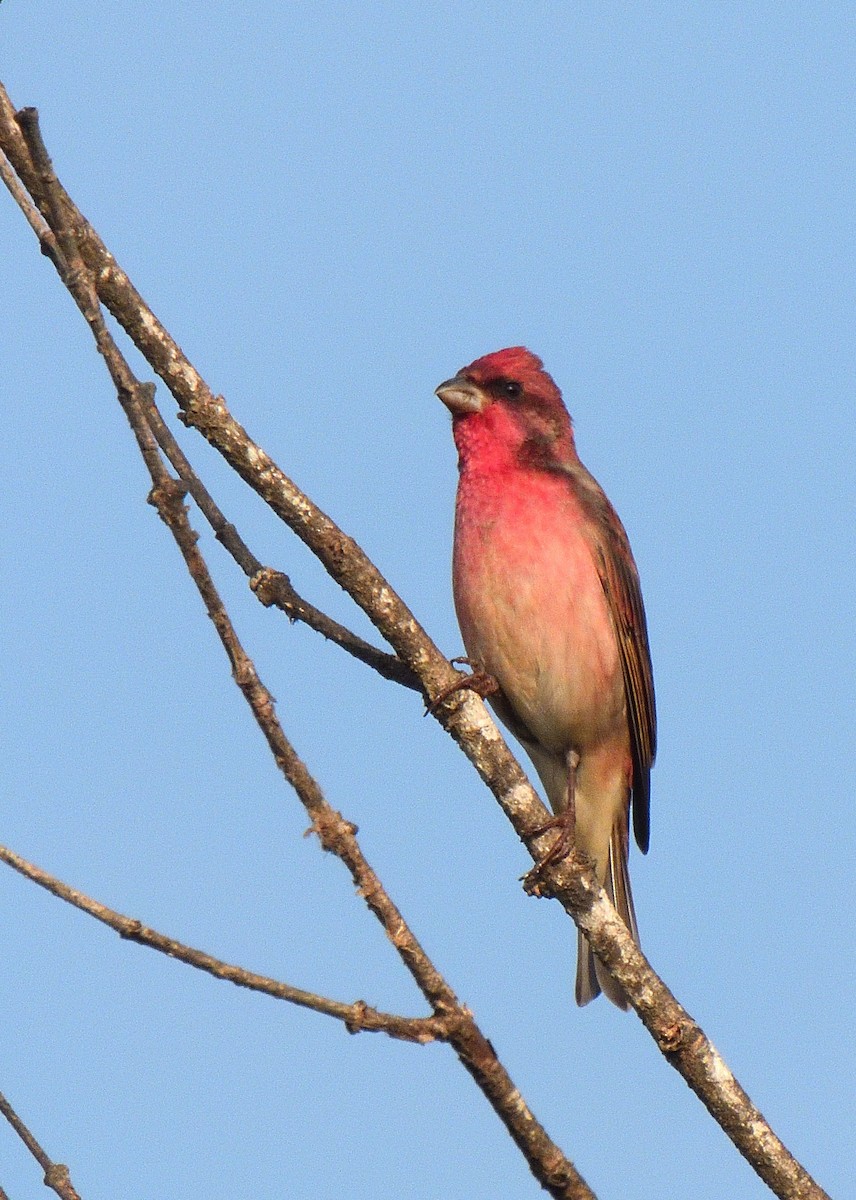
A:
[549,605]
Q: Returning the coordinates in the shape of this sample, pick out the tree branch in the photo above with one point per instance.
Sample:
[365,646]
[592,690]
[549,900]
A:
[273,588]
[57,1177]
[357,1017]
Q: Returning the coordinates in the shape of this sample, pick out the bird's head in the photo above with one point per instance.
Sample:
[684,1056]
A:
[506,401]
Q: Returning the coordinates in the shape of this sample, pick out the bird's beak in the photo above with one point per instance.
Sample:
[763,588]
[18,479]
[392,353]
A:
[461,395]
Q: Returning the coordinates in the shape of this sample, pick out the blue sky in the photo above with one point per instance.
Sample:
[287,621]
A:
[333,207]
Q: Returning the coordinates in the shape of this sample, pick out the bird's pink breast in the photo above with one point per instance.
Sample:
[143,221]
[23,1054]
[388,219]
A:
[531,605]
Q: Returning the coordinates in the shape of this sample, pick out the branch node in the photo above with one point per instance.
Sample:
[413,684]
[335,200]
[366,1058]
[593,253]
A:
[274,588]
[167,497]
[58,1179]
[356,1023]
[670,1039]
[331,827]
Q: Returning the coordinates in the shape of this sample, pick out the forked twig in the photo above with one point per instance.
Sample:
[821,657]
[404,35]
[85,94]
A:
[356,1017]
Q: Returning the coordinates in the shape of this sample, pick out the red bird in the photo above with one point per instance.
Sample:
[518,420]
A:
[549,604]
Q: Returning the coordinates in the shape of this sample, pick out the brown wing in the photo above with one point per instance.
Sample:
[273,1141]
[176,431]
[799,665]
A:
[620,581]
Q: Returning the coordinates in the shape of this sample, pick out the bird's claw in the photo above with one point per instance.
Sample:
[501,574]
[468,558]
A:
[533,881]
[479,681]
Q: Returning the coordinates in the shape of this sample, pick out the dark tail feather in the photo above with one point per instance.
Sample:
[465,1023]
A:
[592,977]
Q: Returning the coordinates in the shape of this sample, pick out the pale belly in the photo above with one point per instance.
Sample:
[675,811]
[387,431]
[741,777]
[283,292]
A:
[533,613]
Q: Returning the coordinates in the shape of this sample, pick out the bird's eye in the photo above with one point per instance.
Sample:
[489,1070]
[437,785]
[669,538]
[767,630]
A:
[512,389]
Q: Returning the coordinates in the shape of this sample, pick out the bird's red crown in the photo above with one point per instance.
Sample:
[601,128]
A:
[519,364]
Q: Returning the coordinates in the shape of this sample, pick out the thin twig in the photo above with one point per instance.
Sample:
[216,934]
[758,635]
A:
[35,219]
[272,587]
[56,1174]
[356,1017]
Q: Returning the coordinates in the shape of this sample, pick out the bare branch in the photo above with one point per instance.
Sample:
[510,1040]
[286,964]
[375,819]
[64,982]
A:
[57,1177]
[356,1017]
[273,588]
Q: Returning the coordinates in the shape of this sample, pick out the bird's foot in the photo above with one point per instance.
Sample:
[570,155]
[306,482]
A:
[479,681]
[534,883]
